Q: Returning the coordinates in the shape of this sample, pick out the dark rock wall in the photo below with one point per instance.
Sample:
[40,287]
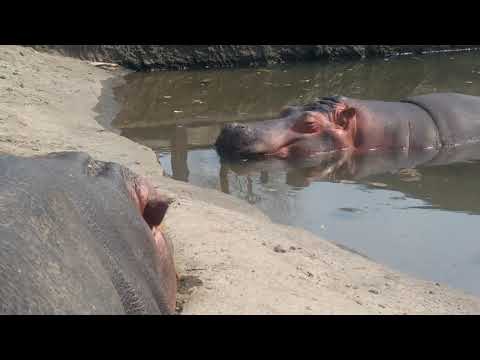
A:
[156,57]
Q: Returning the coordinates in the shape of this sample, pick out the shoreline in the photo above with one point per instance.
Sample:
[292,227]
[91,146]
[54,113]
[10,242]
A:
[226,251]
[190,57]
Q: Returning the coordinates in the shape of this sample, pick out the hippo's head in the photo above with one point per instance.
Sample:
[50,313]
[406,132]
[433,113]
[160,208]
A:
[326,125]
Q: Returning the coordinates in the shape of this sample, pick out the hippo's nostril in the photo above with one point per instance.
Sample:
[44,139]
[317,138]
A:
[234,127]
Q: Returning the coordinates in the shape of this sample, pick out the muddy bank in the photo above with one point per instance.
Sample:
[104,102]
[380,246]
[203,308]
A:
[231,258]
[178,57]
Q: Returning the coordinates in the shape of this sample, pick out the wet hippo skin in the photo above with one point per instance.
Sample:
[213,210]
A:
[337,123]
[457,116]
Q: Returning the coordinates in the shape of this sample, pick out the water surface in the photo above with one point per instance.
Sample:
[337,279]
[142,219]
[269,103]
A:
[421,221]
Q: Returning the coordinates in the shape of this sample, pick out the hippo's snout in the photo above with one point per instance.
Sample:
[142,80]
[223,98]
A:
[236,140]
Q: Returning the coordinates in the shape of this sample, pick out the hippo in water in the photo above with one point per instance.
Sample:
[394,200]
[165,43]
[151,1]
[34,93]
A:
[80,236]
[431,121]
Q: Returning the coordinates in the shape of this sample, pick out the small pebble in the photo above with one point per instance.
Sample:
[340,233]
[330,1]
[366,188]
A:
[373,291]
[376,184]
[279,249]
[348,209]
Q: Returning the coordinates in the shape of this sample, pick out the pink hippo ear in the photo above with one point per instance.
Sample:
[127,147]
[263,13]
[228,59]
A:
[347,118]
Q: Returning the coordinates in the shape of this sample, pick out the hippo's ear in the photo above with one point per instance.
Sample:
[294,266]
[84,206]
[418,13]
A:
[346,118]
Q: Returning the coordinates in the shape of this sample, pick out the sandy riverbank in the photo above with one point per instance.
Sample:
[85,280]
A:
[232,259]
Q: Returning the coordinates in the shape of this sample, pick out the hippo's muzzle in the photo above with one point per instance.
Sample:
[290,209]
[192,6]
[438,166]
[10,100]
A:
[237,141]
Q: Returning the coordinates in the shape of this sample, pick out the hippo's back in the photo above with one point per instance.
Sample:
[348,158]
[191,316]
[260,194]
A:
[457,116]
[72,240]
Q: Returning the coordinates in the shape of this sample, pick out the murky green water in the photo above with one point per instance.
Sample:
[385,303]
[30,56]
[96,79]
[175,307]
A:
[422,221]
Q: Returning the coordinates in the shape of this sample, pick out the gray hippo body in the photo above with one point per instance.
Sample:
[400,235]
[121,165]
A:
[73,239]
[457,116]
[339,123]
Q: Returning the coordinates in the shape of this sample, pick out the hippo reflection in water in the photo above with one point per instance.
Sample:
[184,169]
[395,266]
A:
[445,178]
